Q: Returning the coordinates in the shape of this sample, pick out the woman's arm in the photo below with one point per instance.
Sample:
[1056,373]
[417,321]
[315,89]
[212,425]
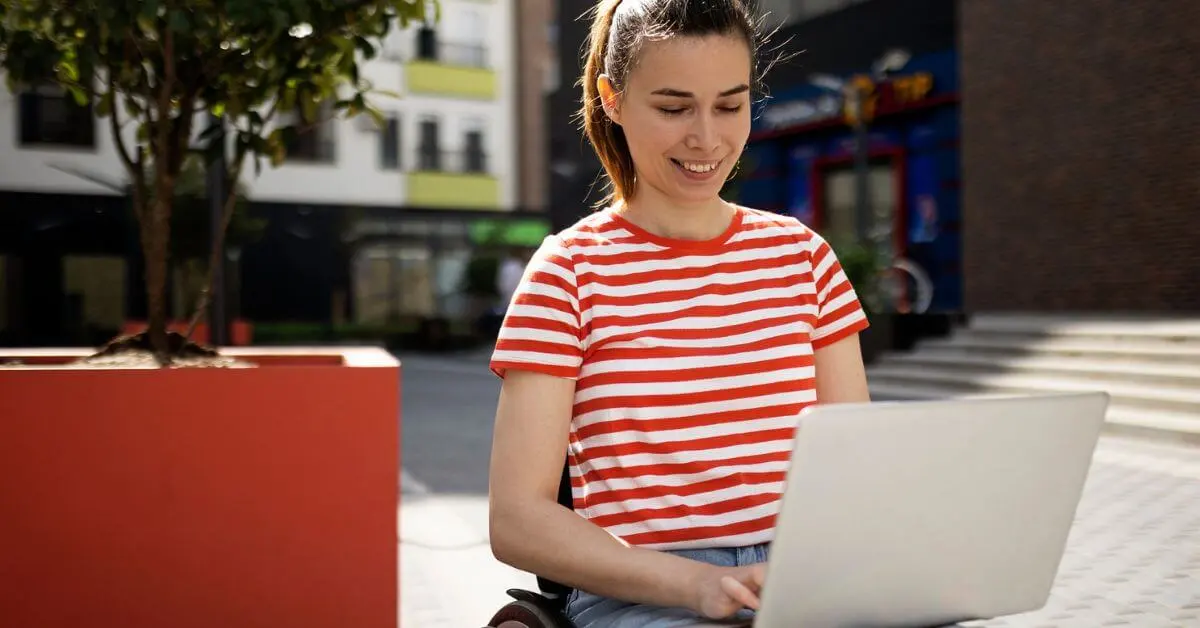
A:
[532,532]
[841,376]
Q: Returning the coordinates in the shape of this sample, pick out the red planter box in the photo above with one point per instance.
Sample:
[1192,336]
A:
[195,498]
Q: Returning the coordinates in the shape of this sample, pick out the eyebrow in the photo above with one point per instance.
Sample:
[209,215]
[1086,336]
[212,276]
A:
[667,91]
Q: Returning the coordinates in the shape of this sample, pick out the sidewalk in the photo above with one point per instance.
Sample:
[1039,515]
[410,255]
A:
[1133,558]
[448,577]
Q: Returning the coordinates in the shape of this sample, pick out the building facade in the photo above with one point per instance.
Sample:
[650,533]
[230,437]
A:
[361,223]
[1080,188]
[800,160]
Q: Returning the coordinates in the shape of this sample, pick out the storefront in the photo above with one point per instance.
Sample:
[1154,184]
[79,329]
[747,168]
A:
[71,268]
[801,162]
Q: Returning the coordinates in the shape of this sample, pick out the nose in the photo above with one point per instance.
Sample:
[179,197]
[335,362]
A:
[703,133]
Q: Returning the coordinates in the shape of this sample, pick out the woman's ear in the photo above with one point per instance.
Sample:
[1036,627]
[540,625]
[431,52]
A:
[609,98]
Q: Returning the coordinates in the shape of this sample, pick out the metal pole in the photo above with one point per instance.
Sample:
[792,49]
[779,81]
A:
[217,319]
[862,203]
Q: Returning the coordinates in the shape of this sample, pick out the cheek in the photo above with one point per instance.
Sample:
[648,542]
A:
[649,136]
[737,129]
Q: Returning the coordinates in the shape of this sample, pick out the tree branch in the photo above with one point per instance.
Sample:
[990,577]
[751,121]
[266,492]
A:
[136,173]
[217,251]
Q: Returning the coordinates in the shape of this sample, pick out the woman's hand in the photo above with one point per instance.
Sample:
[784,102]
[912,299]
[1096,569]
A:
[723,591]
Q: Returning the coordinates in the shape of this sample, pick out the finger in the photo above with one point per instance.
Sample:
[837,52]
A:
[739,592]
[758,574]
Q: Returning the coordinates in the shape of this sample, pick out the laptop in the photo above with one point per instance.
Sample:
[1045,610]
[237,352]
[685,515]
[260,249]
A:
[928,513]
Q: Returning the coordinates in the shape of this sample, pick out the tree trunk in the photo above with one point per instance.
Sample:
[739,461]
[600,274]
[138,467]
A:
[155,235]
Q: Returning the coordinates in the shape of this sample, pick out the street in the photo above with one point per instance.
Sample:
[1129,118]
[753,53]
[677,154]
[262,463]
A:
[448,577]
[1133,558]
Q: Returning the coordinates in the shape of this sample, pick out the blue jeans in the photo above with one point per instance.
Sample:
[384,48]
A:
[592,611]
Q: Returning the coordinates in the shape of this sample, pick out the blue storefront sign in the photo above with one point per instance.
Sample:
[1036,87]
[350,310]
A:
[801,143]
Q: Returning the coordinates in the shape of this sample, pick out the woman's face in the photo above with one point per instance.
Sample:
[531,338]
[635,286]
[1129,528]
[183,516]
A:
[685,111]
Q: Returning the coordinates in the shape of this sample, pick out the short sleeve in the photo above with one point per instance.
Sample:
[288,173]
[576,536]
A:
[840,313]
[541,329]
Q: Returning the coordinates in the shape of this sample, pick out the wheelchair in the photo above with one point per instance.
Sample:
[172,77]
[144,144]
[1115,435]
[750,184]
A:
[546,607]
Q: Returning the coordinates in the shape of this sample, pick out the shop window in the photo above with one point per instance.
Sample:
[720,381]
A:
[450,268]
[95,286]
[393,283]
[838,220]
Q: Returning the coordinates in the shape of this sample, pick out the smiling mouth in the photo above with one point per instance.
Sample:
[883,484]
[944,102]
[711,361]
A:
[698,167]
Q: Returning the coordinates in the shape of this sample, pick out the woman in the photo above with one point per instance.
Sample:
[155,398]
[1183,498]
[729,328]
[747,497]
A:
[668,341]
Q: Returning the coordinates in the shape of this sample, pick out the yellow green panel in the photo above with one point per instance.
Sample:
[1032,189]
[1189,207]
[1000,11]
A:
[425,77]
[453,190]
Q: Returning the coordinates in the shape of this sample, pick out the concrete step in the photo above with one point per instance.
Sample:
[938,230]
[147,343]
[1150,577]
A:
[968,342]
[1145,370]
[1158,425]
[1145,396]
[1158,328]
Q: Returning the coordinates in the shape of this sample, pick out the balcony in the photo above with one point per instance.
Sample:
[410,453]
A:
[454,70]
[453,180]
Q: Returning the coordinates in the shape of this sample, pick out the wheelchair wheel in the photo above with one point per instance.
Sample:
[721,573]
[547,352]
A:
[523,614]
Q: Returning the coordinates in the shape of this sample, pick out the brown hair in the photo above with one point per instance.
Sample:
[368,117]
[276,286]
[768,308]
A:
[618,29]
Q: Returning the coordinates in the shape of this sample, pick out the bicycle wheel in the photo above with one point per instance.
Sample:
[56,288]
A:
[906,287]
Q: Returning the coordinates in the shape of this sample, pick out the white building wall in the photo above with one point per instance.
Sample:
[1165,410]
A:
[41,169]
[356,176]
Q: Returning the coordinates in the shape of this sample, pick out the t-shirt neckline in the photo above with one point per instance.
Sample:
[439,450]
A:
[735,223]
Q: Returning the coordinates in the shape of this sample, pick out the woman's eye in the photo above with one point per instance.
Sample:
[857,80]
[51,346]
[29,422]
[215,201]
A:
[671,112]
[733,109]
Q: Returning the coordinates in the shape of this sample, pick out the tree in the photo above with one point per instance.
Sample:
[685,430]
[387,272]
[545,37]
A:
[167,65]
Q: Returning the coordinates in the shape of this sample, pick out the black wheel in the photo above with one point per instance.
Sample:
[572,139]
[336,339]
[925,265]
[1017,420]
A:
[523,614]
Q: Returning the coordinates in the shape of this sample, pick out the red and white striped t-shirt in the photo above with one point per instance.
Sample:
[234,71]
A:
[692,360]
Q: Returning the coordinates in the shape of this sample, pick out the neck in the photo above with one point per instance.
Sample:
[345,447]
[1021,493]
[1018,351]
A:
[693,221]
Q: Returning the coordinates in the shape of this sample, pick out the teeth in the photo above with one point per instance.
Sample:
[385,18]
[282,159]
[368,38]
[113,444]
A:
[700,168]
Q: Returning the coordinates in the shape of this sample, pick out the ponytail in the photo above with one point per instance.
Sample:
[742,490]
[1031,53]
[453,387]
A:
[607,137]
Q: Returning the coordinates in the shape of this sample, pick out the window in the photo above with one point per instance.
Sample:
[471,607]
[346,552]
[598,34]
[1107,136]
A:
[839,220]
[393,282]
[95,284]
[474,156]
[389,144]
[315,140]
[427,43]
[429,154]
[50,116]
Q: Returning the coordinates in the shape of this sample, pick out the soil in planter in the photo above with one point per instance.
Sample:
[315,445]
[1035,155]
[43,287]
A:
[136,351]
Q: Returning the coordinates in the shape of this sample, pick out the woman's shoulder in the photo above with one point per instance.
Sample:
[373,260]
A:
[775,223]
[585,234]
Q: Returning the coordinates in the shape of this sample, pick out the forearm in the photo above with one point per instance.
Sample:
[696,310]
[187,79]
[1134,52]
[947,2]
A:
[548,540]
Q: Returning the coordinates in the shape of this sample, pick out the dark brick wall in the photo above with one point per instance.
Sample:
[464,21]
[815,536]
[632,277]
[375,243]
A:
[1081,155]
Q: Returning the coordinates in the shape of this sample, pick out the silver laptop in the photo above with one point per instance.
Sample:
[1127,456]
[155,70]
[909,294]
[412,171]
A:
[929,513]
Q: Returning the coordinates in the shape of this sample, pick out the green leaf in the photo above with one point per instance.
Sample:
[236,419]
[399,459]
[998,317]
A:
[377,116]
[365,47]
[78,95]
